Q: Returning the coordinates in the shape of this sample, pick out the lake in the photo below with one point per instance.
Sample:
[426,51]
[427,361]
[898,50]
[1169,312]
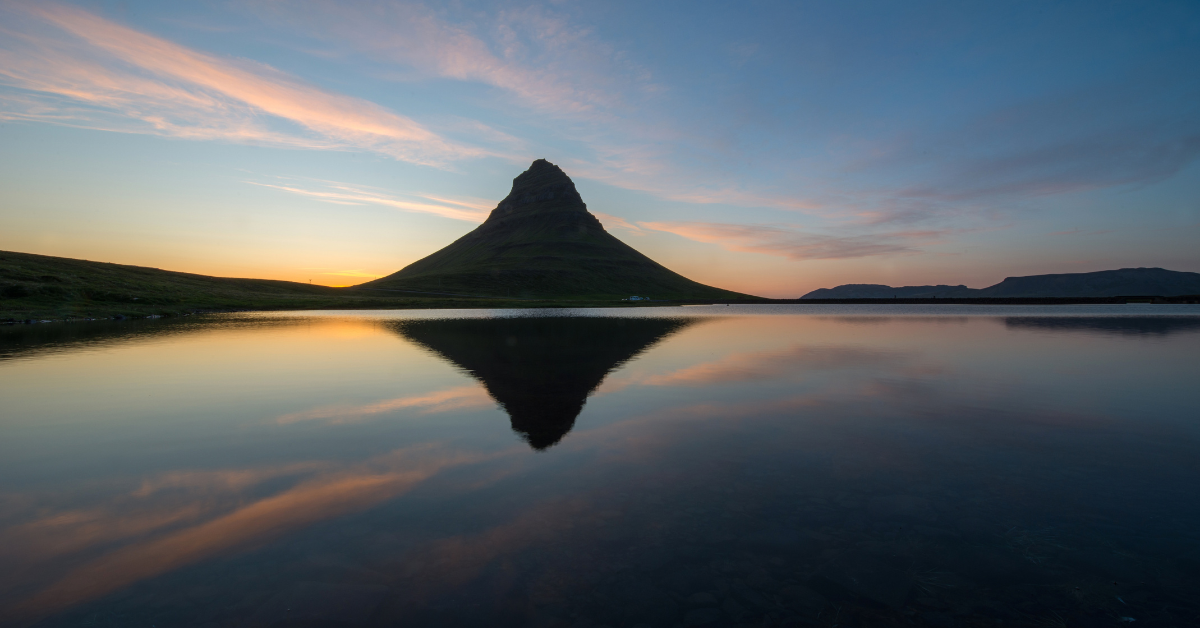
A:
[685,466]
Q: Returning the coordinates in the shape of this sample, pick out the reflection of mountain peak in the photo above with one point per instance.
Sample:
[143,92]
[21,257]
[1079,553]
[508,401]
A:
[541,370]
[1107,325]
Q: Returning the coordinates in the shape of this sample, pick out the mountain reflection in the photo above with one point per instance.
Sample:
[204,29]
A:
[540,370]
[1107,325]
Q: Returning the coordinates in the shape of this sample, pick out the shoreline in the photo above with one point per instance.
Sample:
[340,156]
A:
[501,303]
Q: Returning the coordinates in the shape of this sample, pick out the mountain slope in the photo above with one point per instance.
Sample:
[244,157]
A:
[44,287]
[1106,283]
[541,241]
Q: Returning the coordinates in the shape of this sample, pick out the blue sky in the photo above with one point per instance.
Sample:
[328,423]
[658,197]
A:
[771,148]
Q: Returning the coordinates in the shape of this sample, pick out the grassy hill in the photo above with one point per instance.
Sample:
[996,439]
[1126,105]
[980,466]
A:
[541,242]
[44,287]
[539,247]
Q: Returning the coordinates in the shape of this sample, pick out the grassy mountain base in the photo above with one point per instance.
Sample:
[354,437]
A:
[40,287]
[541,242]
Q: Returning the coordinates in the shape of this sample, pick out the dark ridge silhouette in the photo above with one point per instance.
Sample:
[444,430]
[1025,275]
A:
[41,287]
[540,369]
[1108,325]
[879,291]
[1126,282]
[1106,283]
[24,341]
[21,341]
[541,241]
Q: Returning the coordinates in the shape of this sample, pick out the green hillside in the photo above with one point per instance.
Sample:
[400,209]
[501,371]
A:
[44,287]
[542,242]
[539,247]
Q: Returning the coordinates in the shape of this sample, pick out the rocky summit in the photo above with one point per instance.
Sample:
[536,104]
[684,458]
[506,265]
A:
[541,242]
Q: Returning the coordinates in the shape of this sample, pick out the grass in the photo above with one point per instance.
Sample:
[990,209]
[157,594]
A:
[39,287]
[547,250]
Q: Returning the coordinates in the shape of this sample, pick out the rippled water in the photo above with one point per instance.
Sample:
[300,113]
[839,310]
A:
[698,466]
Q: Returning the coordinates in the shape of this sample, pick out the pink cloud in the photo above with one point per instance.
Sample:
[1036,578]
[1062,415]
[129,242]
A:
[345,194]
[542,61]
[76,68]
[652,172]
[793,244]
[88,71]
[539,58]
[616,222]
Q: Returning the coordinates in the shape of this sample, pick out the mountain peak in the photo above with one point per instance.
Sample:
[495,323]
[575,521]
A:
[543,184]
[541,241]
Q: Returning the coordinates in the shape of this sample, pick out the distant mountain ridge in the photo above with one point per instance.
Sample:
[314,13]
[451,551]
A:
[541,241]
[1126,282]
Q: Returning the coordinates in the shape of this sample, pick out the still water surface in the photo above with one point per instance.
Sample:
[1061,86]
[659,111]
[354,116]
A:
[699,466]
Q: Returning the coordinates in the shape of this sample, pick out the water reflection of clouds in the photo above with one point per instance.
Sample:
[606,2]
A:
[1107,325]
[886,320]
[162,503]
[580,520]
[894,418]
[220,480]
[209,527]
[32,341]
[764,365]
[852,475]
[179,518]
[457,398]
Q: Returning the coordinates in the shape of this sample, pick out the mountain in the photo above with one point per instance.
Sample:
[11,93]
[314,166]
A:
[539,369]
[37,287]
[1106,283]
[878,291]
[1126,282]
[541,241]
[41,286]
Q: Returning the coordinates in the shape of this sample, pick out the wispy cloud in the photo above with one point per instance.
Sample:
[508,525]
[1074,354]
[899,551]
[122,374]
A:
[1078,232]
[561,76]
[72,67]
[653,172]
[537,57]
[552,85]
[616,222]
[1103,159]
[346,194]
[794,244]
[1130,130]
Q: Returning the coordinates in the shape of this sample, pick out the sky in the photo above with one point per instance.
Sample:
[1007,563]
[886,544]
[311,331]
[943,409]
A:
[766,147]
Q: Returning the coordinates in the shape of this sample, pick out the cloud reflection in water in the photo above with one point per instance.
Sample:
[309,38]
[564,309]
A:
[824,446]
